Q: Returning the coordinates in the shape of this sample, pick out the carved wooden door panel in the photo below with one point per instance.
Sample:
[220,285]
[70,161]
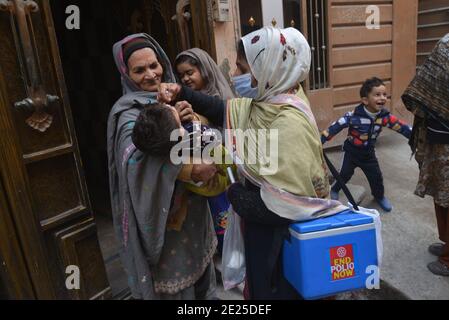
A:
[203,25]
[188,24]
[194,25]
[40,163]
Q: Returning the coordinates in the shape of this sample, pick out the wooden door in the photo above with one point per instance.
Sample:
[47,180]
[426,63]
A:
[188,24]
[40,163]
[14,278]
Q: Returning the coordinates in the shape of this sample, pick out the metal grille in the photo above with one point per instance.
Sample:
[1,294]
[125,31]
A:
[318,39]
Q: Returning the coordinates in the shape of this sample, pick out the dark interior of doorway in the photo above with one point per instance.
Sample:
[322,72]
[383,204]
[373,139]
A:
[93,85]
[3,292]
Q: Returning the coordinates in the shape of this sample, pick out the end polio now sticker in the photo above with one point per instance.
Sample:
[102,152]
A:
[342,262]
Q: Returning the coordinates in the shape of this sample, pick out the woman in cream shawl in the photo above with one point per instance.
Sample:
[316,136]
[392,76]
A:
[290,183]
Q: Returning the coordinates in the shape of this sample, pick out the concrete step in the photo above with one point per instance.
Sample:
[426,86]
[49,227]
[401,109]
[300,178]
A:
[386,292]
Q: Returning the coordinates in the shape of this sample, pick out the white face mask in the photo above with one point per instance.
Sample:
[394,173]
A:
[242,85]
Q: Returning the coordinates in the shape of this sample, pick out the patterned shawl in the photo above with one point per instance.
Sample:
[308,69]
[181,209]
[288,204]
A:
[142,189]
[428,93]
[429,89]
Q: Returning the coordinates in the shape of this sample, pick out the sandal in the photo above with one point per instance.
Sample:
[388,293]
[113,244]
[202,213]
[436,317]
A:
[438,268]
[436,249]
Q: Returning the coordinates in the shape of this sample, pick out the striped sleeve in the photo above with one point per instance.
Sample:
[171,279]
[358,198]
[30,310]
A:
[336,128]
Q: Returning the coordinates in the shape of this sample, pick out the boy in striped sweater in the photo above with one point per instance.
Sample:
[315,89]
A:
[364,125]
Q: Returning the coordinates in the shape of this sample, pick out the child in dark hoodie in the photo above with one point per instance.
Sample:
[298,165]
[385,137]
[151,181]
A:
[152,135]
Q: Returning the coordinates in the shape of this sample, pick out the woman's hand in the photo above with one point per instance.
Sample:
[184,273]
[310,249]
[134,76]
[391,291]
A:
[185,111]
[168,92]
[203,173]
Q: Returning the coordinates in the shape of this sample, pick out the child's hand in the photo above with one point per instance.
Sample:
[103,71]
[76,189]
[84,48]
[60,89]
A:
[185,111]
[323,139]
[214,183]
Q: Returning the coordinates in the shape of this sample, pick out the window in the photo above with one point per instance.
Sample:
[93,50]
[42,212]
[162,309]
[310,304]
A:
[251,18]
[308,16]
[318,40]
[292,14]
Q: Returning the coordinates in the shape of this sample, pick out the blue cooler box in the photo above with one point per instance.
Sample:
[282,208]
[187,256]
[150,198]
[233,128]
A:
[330,255]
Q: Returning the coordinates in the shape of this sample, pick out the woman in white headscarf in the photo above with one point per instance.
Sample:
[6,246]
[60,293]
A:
[282,187]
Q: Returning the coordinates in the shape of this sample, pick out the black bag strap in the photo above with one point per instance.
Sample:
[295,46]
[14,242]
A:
[341,182]
[437,118]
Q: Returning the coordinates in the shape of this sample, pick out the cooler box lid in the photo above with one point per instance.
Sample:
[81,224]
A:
[345,219]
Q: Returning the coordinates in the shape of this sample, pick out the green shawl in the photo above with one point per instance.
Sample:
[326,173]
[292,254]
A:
[293,175]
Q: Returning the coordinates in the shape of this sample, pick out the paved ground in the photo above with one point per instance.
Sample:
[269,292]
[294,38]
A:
[407,231]
[410,228]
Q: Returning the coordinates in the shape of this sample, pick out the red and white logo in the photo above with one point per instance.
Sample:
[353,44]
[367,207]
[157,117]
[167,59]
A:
[342,262]
[341,252]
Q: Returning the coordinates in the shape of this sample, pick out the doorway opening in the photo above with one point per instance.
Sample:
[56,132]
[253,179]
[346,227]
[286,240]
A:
[3,292]
[93,85]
